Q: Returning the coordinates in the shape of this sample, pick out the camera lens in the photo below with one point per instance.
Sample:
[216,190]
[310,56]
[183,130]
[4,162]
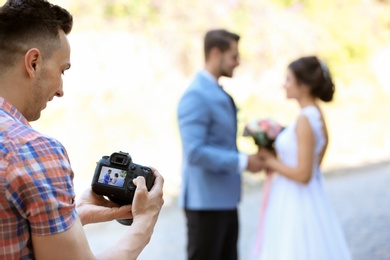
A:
[126,222]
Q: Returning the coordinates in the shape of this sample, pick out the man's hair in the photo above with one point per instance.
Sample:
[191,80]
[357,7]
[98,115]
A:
[26,24]
[220,39]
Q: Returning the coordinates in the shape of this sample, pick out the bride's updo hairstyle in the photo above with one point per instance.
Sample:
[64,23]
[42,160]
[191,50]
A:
[315,74]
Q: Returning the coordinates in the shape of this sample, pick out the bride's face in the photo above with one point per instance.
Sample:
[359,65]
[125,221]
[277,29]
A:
[292,86]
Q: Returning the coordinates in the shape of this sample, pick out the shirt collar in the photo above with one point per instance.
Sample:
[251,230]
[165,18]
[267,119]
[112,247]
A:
[209,76]
[12,111]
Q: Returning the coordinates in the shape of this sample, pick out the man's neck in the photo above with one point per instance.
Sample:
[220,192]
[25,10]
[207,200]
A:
[12,91]
[213,71]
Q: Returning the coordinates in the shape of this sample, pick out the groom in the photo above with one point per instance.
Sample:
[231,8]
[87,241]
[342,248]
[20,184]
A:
[212,165]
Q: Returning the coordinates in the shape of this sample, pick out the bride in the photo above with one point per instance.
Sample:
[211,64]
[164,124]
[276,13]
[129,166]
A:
[299,222]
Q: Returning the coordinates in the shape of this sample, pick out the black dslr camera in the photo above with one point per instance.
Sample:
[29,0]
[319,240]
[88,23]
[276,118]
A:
[114,179]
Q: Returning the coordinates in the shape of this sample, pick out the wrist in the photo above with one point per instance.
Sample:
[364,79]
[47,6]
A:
[145,222]
[80,213]
[273,163]
[142,230]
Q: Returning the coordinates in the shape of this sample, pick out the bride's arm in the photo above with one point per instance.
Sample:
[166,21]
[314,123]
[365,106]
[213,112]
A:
[303,171]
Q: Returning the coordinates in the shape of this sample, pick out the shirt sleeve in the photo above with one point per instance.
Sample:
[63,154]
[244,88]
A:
[40,186]
[242,162]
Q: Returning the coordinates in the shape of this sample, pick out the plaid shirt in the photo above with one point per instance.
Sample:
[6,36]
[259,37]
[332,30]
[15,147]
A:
[36,185]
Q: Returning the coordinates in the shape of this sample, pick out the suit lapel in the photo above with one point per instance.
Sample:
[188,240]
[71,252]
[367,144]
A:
[205,82]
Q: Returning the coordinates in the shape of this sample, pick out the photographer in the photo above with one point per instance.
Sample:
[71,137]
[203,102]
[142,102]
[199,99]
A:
[38,214]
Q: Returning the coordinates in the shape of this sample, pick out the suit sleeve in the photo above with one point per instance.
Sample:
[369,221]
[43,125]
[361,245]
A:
[194,119]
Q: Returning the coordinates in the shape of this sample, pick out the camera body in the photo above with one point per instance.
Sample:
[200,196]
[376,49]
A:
[114,176]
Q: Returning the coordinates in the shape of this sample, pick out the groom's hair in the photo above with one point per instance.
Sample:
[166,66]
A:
[219,38]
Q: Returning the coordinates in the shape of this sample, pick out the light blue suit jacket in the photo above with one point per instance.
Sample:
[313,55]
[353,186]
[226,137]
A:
[207,120]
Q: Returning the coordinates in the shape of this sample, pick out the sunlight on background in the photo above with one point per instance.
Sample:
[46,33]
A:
[132,60]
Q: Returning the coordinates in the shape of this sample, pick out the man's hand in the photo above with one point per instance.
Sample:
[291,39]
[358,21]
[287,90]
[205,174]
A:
[268,157]
[255,164]
[93,208]
[148,204]
[146,208]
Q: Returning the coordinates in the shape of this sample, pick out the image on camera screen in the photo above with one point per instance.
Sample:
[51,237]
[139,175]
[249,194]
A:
[112,176]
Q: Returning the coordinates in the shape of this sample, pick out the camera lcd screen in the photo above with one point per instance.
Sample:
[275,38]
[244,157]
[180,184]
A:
[112,176]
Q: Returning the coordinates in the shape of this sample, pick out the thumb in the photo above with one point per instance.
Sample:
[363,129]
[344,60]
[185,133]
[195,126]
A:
[140,182]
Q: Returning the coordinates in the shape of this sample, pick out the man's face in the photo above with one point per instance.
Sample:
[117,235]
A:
[229,60]
[49,81]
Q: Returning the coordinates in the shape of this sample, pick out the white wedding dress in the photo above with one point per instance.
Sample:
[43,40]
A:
[299,222]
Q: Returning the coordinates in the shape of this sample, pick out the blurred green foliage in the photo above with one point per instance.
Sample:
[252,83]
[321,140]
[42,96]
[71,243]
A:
[140,9]
[343,32]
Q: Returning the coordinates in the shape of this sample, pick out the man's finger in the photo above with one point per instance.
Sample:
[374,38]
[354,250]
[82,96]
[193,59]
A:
[140,182]
[158,182]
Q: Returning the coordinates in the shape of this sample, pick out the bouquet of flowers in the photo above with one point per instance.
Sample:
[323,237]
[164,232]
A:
[263,131]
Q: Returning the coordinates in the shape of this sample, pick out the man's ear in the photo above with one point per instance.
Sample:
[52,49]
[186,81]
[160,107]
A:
[215,53]
[32,62]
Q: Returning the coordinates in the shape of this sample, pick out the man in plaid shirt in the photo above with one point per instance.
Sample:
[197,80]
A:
[39,217]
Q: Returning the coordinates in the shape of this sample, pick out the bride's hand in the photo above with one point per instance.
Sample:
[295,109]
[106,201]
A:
[265,153]
[268,171]
[267,157]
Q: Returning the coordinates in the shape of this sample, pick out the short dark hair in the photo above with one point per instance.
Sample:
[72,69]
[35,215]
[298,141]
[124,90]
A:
[316,75]
[219,38]
[26,24]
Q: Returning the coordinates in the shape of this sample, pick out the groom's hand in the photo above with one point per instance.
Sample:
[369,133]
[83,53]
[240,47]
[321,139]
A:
[255,163]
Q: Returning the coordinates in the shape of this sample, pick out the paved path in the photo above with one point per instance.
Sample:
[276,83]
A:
[361,200]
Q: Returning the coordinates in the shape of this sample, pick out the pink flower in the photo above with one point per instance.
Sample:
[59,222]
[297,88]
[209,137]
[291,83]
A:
[264,125]
[263,131]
